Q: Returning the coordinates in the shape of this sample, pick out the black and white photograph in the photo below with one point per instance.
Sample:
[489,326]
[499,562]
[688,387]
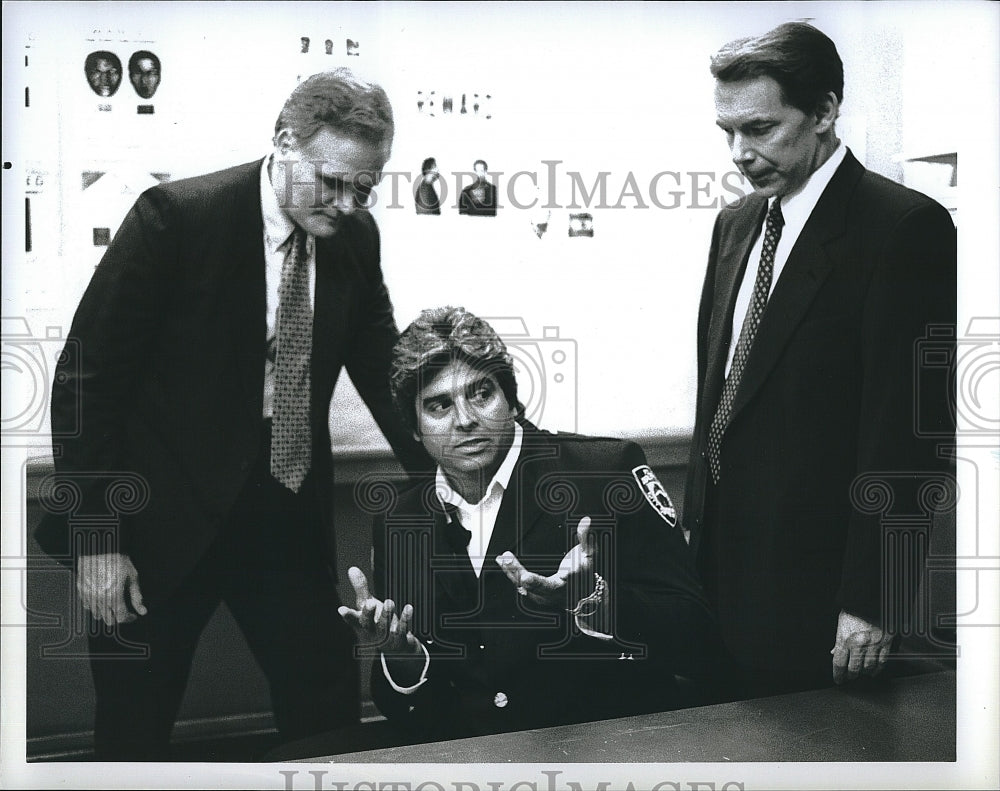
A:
[104,72]
[144,73]
[680,472]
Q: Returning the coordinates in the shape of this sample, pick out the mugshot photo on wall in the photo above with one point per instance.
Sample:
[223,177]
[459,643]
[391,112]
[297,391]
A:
[144,73]
[104,72]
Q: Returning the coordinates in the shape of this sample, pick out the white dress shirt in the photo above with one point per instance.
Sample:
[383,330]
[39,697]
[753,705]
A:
[278,228]
[481,518]
[795,208]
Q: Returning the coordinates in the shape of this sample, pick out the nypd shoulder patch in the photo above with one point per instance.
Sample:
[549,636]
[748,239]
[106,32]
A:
[655,494]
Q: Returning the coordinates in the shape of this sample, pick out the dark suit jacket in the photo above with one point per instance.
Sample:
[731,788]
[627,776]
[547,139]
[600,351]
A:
[469,204]
[485,639]
[828,397]
[165,369]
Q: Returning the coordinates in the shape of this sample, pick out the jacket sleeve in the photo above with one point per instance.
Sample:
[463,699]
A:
[370,355]
[425,703]
[694,488]
[906,406]
[111,338]
[657,597]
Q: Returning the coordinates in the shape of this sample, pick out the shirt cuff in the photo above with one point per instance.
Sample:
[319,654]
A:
[423,673]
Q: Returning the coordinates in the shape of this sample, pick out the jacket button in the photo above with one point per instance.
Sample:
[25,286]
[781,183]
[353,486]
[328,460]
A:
[703,454]
[500,700]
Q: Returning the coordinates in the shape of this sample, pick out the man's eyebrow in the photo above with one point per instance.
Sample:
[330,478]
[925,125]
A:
[477,383]
[435,399]
[757,120]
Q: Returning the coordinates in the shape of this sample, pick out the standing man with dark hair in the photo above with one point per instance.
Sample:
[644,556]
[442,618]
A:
[537,578]
[202,361]
[820,284]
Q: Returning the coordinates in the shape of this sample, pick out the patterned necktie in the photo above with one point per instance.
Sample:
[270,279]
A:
[290,432]
[761,289]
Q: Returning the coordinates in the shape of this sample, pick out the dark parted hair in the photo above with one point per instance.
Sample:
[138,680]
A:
[133,62]
[427,164]
[800,58]
[340,100]
[480,162]
[437,337]
[90,62]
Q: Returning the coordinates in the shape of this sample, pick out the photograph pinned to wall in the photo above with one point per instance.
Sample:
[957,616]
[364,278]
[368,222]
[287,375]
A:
[104,72]
[105,198]
[581,224]
[541,225]
[479,199]
[430,190]
[144,73]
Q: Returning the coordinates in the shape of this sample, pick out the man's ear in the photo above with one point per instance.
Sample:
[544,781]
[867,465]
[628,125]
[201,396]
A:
[416,436]
[284,140]
[827,111]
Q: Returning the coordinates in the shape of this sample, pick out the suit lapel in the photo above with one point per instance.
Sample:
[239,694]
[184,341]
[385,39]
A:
[520,512]
[337,275]
[246,292]
[732,263]
[808,265]
[454,577]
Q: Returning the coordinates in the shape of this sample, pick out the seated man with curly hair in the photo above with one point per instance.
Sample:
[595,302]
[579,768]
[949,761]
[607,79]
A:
[536,579]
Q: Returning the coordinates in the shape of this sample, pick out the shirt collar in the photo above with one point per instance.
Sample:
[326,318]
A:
[278,226]
[796,208]
[448,496]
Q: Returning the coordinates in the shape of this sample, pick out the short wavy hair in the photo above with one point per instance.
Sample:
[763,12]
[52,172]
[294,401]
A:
[438,337]
[340,100]
[800,58]
[133,62]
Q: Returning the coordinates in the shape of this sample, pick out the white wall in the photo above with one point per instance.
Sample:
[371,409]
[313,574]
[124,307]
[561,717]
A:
[622,88]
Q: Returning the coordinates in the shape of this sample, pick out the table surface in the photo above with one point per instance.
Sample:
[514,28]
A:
[900,719]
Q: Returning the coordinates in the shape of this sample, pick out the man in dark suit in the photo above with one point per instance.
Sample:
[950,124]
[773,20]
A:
[820,286]
[201,364]
[479,199]
[537,578]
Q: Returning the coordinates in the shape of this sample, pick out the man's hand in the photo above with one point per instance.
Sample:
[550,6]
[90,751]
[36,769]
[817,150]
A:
[101,582]
[861,648]
[551,591]
[376,622]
